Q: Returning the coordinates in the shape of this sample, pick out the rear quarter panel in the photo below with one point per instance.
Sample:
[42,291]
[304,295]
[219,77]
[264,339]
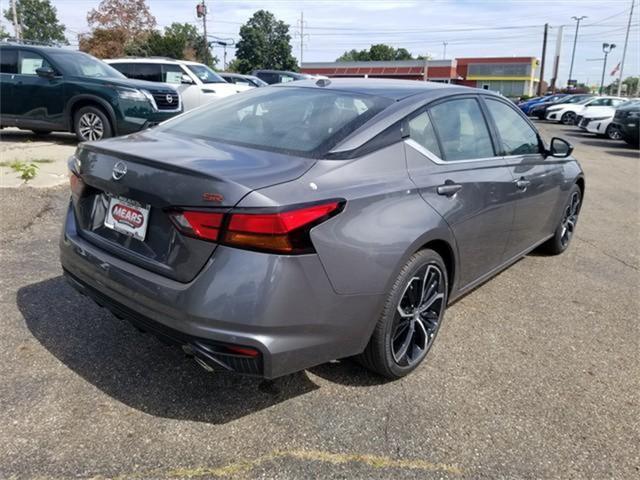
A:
[384,222]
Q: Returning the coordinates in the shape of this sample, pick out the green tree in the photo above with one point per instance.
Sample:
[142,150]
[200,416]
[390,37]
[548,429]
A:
[116,25]
[179,41]
[3,32]
[39,21]
[378,52]
[264,43]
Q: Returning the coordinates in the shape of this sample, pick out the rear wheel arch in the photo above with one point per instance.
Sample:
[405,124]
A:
[445,250]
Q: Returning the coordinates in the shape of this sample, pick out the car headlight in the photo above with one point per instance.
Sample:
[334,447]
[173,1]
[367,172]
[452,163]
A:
[132,94]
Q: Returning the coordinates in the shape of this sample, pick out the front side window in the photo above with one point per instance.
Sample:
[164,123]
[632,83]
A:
[421,131]
[292,120]
[8,60]
[172,73]
[205,74]
[517,136]
[83,65]
[30,62]
[462,130]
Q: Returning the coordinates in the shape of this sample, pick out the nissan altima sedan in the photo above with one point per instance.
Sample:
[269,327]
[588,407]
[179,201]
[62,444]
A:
[305,222]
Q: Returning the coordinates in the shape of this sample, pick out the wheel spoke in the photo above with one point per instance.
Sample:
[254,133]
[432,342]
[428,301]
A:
[402,352]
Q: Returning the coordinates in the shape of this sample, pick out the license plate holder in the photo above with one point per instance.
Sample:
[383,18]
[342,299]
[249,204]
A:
[128,217]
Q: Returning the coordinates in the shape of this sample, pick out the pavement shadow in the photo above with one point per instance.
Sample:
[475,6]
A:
[137,369]
[27,136]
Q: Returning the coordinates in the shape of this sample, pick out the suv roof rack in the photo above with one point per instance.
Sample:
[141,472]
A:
[35,43]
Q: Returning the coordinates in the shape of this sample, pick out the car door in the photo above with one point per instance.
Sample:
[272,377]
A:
[452,160]
[42,100]
[536,180]
[8,72]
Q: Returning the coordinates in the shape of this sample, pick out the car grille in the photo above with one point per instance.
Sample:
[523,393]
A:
[167,101]
[583,122]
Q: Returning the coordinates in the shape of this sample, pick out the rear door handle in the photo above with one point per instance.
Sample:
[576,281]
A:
[449,188]
[523,183]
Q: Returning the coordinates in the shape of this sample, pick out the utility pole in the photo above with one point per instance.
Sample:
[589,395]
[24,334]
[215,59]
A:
[301,33]
[606,48]
[624,50]
[444,52]
[556,60]
[201,12]
[544,57]
[575,41]
[16,25]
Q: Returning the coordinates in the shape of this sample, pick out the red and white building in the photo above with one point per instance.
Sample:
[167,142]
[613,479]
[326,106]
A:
[511,76]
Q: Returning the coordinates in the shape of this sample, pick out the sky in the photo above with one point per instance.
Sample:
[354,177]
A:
[471,28]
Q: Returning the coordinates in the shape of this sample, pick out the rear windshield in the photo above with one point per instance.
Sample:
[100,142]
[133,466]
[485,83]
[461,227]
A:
[307,121]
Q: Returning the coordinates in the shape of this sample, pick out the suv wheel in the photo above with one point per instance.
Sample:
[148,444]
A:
[613,133]
[91,124]
[411,317]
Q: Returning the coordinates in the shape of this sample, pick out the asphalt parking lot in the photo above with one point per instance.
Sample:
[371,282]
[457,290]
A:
[535,375]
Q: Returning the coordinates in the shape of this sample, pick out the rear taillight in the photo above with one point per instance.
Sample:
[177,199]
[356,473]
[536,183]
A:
[76,184]
[285,231]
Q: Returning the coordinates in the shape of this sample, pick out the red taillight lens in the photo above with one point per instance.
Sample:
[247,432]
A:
[76,184]
[284,232]
[199,224]
[280,232]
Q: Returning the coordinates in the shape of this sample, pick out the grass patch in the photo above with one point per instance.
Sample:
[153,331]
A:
[27,171]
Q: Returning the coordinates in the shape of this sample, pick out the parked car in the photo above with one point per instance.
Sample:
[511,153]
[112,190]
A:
[310,221]
[46,89]
[279,76]
[196,82]
[627,121]
[567,113]
[528,105]
[598,120]
[540,110]
[239,79]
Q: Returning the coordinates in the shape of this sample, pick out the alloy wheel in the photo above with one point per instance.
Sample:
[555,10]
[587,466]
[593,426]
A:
[613,133]
[569,118]
[570,219]
[91,126]
[418,315]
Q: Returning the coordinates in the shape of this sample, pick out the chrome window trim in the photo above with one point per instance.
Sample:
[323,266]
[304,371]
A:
[435,159]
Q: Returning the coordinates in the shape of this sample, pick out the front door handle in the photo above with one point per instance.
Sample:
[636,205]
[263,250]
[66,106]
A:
[523,183]
[449,188]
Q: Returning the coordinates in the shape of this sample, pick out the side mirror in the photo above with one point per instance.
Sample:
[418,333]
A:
[560,148]
[186,79]
[45,72]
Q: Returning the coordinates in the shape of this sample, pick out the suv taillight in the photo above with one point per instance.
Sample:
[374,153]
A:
[285,231]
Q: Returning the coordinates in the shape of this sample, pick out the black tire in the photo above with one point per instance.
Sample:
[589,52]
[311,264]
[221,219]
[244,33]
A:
[567,225]
[613,133]
[380,354]
[91,124]
[568,118]
[41,132]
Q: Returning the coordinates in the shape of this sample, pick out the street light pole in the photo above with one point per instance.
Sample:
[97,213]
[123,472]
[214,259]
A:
[606,48]
[444,52]
[624,50]
[575,41]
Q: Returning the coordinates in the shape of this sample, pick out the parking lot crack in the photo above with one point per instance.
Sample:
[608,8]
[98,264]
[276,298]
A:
[604,252]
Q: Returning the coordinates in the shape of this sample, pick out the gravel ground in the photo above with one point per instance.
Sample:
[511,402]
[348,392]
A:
[535,374]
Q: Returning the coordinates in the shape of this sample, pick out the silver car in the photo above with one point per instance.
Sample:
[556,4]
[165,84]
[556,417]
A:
[306,222]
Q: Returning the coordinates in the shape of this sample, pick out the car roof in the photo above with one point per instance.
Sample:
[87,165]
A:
[150,60]
[387,88]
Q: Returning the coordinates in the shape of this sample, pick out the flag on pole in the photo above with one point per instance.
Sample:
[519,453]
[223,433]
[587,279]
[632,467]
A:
[615,70]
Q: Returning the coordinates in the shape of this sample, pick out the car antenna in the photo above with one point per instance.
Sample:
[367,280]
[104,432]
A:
[323,82]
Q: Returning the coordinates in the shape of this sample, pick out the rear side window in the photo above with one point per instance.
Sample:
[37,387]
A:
[517,136]
[8,61]
[288,119]
[151,72]
[462,130]
[421,131]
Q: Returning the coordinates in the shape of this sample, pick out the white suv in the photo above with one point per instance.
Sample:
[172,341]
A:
[196,83]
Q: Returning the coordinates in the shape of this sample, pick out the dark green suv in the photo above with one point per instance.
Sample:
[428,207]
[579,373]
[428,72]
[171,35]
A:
[47,89]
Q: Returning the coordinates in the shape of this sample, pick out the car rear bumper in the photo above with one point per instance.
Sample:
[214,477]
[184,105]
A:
[282,306]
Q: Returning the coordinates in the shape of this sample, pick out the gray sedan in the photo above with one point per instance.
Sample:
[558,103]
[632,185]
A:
[300,223]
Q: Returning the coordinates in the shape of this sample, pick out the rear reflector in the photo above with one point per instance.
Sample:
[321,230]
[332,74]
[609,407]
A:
[285,231]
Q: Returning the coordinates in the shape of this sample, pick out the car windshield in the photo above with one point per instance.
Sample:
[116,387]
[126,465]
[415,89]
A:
[576,99]
[307,121]
[83,65]
[256,81]
[205,74]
